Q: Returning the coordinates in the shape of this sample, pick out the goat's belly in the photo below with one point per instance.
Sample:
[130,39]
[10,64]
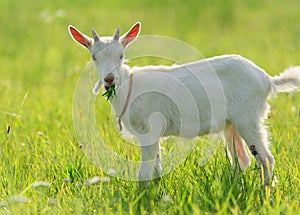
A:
[176,116]
[194,128]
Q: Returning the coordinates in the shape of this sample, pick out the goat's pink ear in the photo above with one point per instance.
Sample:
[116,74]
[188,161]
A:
[80,37]
[131,34]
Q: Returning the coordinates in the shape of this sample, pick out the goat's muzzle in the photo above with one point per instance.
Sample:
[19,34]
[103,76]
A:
[109,81]
[107,86]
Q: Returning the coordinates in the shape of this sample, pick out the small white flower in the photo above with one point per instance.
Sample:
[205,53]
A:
[166,198]
[17,198]
[66,179]
[93,180]
[60,13]
[40,133]
[79,185]
[105,179]
[52,201]
[3,204]
[275,181]
[111,171]
[40,184]
[45,16]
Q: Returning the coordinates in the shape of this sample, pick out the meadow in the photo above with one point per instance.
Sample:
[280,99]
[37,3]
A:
[43,169]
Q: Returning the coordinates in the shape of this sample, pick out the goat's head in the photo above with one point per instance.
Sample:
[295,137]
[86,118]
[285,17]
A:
[106,52]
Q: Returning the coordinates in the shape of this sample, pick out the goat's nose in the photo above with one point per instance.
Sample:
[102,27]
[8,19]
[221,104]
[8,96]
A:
[109,79]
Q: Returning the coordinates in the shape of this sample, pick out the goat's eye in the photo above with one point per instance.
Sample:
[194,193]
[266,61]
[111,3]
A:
[121,57]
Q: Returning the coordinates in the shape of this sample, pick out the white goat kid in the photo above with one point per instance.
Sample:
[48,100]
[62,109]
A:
[239,109]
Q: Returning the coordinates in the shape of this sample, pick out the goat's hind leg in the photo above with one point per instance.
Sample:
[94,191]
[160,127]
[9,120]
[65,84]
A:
[255,136]
[236,148]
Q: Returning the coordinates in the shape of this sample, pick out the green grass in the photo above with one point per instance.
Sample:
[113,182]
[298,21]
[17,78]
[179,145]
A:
[39,67]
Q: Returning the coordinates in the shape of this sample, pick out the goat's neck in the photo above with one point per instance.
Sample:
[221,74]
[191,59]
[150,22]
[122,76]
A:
[124,74]
[119,102]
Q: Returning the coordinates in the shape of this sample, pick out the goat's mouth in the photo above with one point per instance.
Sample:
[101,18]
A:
[110,91]
[107,87]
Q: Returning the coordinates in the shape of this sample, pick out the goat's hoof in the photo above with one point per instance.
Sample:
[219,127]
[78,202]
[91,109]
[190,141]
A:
[142,184]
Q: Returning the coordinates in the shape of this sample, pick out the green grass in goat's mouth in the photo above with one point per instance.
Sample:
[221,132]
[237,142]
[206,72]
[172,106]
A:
[111,92]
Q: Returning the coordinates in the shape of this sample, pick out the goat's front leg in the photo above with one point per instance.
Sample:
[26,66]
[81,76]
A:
[150,166]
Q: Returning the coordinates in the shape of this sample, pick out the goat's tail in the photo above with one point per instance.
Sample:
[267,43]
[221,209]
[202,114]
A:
[287,81]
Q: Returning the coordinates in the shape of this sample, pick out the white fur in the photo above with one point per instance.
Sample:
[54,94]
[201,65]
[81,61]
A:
[226,93]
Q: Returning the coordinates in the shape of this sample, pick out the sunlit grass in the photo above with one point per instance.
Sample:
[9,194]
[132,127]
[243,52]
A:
[44,170]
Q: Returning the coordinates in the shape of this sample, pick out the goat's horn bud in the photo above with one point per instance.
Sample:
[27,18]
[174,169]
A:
[95,35]
[117,34]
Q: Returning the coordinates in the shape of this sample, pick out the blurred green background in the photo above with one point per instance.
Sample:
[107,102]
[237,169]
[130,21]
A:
[39,67]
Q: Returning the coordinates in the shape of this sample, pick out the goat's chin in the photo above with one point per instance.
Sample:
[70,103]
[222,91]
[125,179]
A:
[107,87]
